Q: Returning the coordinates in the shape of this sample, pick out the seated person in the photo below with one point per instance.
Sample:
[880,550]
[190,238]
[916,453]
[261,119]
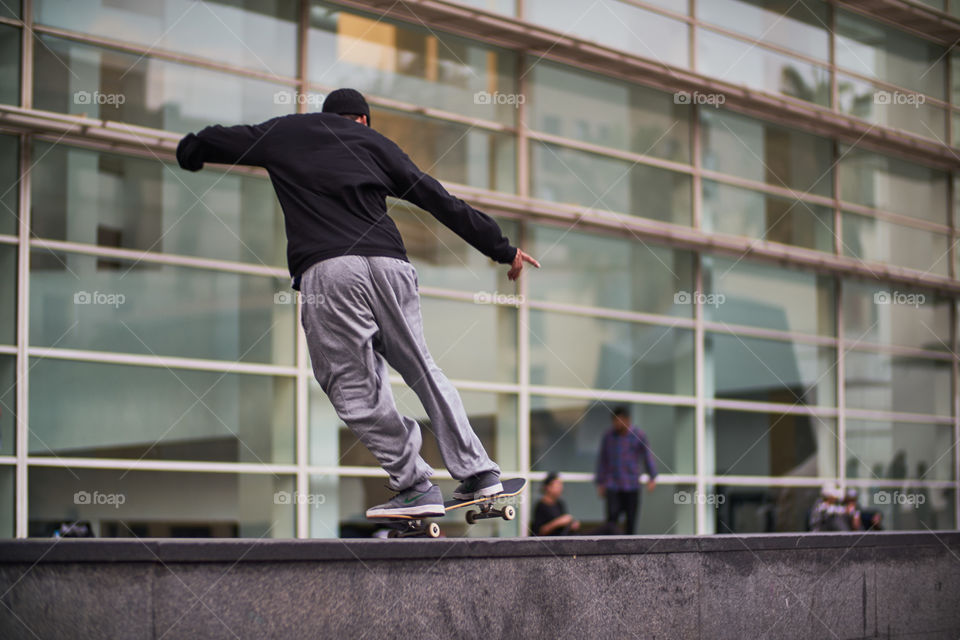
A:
[550,517]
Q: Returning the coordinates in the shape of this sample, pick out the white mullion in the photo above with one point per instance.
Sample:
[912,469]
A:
[166,362]
[23,337]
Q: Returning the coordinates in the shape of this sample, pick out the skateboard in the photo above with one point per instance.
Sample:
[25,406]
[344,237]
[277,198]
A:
[487,507]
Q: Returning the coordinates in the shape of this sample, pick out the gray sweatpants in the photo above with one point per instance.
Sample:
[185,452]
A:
[360,313]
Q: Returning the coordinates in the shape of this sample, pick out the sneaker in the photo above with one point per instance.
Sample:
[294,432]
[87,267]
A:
[410,502]
[479,486]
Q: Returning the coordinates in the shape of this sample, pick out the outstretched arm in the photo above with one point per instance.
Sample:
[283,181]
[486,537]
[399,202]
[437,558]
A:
[241,144]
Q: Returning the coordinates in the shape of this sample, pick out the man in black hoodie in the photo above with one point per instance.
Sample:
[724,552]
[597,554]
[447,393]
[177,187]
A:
[360,304]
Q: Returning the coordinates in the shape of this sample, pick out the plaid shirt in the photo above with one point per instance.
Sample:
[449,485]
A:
[618,466]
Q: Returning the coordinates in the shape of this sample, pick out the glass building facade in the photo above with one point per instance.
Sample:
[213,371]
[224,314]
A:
[773,298]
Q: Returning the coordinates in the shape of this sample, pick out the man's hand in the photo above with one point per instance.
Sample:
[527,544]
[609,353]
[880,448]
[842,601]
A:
[651,485]
[601,491]
[518,261]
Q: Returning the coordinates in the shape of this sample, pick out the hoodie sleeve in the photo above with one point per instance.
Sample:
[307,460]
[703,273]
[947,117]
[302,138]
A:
[241,144]
[478,229]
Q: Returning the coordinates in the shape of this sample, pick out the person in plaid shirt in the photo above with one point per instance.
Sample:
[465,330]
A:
[618,469]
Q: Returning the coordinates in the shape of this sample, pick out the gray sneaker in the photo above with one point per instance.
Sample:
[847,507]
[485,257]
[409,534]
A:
[478,486]
[410,502]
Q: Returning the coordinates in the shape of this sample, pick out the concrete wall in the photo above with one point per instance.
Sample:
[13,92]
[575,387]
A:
[886,585]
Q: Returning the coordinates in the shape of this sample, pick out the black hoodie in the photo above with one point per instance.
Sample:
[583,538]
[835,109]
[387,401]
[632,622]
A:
[332,176]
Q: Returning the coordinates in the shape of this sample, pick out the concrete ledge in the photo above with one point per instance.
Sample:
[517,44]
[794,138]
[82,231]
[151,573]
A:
[891,585]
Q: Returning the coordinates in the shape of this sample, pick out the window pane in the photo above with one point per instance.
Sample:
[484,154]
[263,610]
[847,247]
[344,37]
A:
[9,64]
[873,240]
[596,270]
[607,112]
[899,450]
[8,405]
[153,93]
[121,503]
[882,382]
[763,509]
[565,433]
[907,507]
[411,64]
[455,331]
[8,294]
[453,152]
[8,523]
[105,304]
[742,212]
[617,24]
[570,176]
[257,34]
[762,152]
[131,203]
[772,444]
[157,413]
[768,296]
[884,182]
[742,368]
[10,9]
[873,49]
[9,173]
[896,109]
[745,63]
[797,26]
[901,317]
[506,7]
[575,351]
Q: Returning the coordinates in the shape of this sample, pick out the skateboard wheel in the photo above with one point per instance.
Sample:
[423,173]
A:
[433,530]
[509,513]
[471,517]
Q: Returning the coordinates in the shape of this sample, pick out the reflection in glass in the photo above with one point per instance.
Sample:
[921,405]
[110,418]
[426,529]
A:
[785,23]
[455,332]
[899,450]
[896,109]
[873,240]
[904,507]
[881,314]
[8,294]
[9,64]
[763,509]
[120,503]
[9,170]
[8,521]
[883,382]
[8,405]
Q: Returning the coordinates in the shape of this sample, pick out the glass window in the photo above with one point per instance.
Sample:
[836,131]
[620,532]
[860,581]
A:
[565,434]
[763,509]
[739,62]
[885,182]
[881,314]
[10,9]
[144,412]
[899,450]
[906,507]
[8,405]
[595,270]
[453,152]
[7,501]
[76,78]
[119,503]
[411,64]
[9,175]
[620,25]
[506,7]
[885,53]
[132,203]
[607,112]
[762,152]
[9,64]
[884,382]
[772,444]
[873,240]
[576,177]
[575,351]
[257,34]
[742,368]
[8,294]
[106,304]
[768,296]
[472,340]
[800,26]
[895,109]
[743,212]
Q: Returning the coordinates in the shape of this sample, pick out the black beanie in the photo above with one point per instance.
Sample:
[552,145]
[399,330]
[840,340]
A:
[349,101]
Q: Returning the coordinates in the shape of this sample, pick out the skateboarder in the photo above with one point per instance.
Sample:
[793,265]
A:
[361,306]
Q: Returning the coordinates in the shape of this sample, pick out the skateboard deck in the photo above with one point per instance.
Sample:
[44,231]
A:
[486,508]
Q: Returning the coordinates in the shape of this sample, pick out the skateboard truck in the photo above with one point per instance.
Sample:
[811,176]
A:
[488,510]
[414,529]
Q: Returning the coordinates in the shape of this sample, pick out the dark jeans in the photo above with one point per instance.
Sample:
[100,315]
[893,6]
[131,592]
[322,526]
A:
[627,502]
